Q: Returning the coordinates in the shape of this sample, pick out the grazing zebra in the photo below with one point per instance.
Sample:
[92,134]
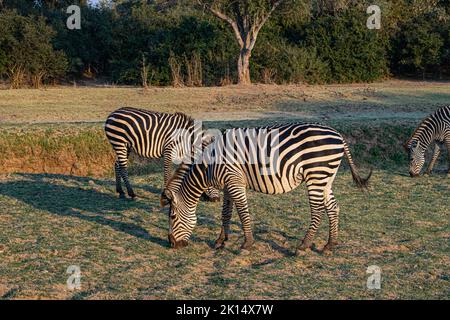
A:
[271,160]
[151,135]
[435,129]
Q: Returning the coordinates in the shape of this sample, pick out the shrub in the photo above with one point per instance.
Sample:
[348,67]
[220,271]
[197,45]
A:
[421,45]
[351,51]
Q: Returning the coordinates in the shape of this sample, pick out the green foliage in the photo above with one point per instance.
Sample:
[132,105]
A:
[421,45]
[351,52]
[282,62]
[156,34]
[304,41]
[26,52]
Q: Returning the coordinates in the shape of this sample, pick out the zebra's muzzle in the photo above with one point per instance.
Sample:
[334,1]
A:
[177,244]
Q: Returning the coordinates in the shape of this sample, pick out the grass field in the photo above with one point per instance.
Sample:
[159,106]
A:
[58,207]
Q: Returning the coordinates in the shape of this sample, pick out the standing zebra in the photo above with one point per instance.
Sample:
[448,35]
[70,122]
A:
[150,135]
[435,129]
[270,160]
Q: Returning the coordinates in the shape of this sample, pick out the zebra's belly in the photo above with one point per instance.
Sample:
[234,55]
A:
[147,152]
[273,185]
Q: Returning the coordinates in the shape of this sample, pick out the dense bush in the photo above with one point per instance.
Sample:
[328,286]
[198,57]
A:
[26,52]
[351,52]
[422,46]
[165,39]
[144,42]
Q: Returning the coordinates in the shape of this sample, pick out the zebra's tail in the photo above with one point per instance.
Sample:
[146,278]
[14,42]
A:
[362,183]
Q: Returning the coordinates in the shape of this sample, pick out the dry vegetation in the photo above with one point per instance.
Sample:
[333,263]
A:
[93,104]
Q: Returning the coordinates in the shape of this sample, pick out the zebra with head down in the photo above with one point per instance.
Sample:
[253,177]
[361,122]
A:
[435,129]
[270,160]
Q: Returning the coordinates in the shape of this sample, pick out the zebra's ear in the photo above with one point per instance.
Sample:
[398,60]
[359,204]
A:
[405,146]
[165,198]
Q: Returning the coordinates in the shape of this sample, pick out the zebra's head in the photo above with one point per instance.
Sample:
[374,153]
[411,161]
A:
[182,219]
[416,156]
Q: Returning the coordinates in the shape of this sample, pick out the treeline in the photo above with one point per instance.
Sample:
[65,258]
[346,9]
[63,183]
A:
[180,43]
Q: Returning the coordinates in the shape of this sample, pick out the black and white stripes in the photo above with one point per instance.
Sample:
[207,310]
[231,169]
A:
[435,129]
[150,135]
[270,160]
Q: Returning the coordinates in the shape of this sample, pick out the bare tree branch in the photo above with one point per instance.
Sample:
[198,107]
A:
[226,18]
[259,24]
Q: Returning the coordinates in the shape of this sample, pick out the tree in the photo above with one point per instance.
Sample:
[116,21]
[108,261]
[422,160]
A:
[246,18]
[26,51]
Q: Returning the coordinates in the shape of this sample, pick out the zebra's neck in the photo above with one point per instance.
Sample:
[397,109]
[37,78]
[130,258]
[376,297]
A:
[194,185]
[426,132]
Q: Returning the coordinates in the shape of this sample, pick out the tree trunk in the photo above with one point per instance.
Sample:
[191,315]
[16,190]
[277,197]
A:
[245,33]
[244,67]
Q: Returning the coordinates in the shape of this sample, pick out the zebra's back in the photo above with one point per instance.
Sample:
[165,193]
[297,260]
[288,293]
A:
[277,159]
[144,131]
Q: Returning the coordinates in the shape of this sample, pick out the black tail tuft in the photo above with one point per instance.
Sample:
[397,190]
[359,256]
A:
[362,183]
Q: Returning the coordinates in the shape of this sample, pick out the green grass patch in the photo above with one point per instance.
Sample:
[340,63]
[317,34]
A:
[50,222]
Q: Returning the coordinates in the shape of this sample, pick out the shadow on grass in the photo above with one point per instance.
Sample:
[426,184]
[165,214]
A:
[43,193]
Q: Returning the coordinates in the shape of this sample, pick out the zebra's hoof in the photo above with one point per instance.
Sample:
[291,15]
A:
[219,244]
[247,245]
[305,246]
[122,196]
[133,197]
[302,252]
[328,249]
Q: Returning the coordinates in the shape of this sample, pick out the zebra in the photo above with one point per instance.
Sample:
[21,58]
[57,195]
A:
[151,135]
[271,160]
[435,129]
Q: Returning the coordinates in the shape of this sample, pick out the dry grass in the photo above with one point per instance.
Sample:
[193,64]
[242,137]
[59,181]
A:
[68,104]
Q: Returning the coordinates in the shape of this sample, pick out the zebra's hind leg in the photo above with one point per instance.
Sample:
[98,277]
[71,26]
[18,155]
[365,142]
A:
[332,209]
[124,175]
[227,211]
[123,153]
[119,189]
[316,203]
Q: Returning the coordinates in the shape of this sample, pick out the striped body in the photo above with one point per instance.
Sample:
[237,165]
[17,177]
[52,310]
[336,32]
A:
[435,129]
[150,135]
[269,160]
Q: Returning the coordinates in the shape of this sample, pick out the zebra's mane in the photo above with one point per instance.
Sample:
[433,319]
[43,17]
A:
[189,120]
[419,129]
[174,182]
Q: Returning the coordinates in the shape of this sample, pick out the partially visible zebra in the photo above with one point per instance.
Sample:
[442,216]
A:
[435,129]
[151,135]
[270,160]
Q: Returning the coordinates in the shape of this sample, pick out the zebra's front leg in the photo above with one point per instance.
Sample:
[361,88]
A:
[316,203]
[238,194]
[227,211]
[167,166]
[332,210]
[436,153]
